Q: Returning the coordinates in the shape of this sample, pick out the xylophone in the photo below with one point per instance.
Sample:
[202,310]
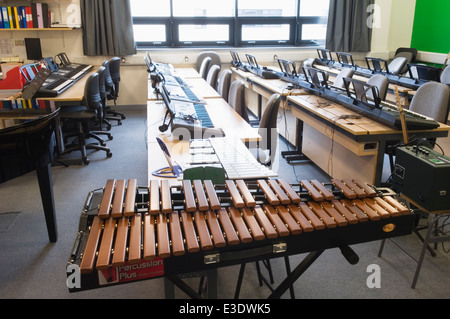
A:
[129,233]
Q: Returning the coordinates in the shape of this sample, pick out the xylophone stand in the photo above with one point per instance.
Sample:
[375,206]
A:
[295,274]
[261,278]
[207,287]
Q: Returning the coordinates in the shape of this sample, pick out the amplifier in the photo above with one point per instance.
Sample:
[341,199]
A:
[423,175]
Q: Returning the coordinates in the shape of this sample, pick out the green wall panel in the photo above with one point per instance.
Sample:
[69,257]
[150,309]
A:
[431,31]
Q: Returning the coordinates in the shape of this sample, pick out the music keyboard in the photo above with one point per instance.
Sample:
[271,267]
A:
[62,79]
[385,114]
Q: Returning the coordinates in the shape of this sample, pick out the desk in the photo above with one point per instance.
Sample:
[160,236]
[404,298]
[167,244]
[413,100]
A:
[347,147]
[221,113]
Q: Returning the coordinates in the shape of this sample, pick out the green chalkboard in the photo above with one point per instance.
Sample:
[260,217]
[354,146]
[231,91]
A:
[431,31]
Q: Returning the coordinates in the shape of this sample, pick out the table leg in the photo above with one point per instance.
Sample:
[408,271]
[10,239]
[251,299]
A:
[44,175]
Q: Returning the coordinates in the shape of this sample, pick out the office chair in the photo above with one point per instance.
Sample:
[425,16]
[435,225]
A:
[82,116]
[432,99]
[31,146]
[381,82]
[397,65]
[445,76]
[236,99]
[223,83]
[267,148]
[409,53]
[345,73]
[211,78]
[215,59]
[113,94]
[102,90]
[110,92]
[204,67]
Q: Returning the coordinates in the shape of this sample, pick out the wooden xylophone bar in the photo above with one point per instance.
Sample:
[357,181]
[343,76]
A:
[200,216]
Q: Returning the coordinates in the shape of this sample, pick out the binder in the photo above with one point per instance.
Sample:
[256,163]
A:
[16,18]
[24,17]
[29,17]
[45,15]
[34,15]
[10,17]
[5,18]
[40,16]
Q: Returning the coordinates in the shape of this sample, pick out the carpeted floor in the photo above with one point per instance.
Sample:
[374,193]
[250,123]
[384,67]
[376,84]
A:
[31,267]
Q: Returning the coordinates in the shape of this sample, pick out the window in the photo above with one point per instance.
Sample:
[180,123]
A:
[184,23]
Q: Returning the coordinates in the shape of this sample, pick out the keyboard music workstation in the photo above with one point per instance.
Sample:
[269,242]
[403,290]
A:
[340,134]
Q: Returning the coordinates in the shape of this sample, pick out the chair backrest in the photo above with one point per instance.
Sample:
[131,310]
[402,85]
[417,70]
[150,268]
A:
[204,67]
[213,73]
[109,84]
[223,83]
[114,70]
[432,99]
[236,98]
[381,82]
[409,53]
[445,76]
[101,82]
[215,59]
[27,146]
[92,98]
[268,123]
[397,65]
[345,73]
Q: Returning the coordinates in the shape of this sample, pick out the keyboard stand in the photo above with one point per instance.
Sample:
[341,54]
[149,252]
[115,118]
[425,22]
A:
[297,155]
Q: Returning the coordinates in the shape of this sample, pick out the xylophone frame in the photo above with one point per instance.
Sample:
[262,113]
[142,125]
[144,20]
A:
[314,243]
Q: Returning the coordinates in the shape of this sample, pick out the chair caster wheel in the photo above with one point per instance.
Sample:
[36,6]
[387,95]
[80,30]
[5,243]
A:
[109,154]
[86,161]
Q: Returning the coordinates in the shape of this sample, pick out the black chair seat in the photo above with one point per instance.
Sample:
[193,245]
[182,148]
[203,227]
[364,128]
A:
[77,112]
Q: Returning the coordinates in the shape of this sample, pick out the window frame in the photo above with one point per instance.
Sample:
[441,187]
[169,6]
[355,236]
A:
[234,27]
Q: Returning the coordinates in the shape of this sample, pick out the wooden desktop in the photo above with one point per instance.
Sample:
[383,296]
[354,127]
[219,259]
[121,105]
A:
[341,147]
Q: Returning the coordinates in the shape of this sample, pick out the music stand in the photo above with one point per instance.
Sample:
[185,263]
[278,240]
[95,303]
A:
[316,77]
[377,65]
[325,55]
[287,67]
[29,91]
[361,91]
[236,60]
[345,59]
